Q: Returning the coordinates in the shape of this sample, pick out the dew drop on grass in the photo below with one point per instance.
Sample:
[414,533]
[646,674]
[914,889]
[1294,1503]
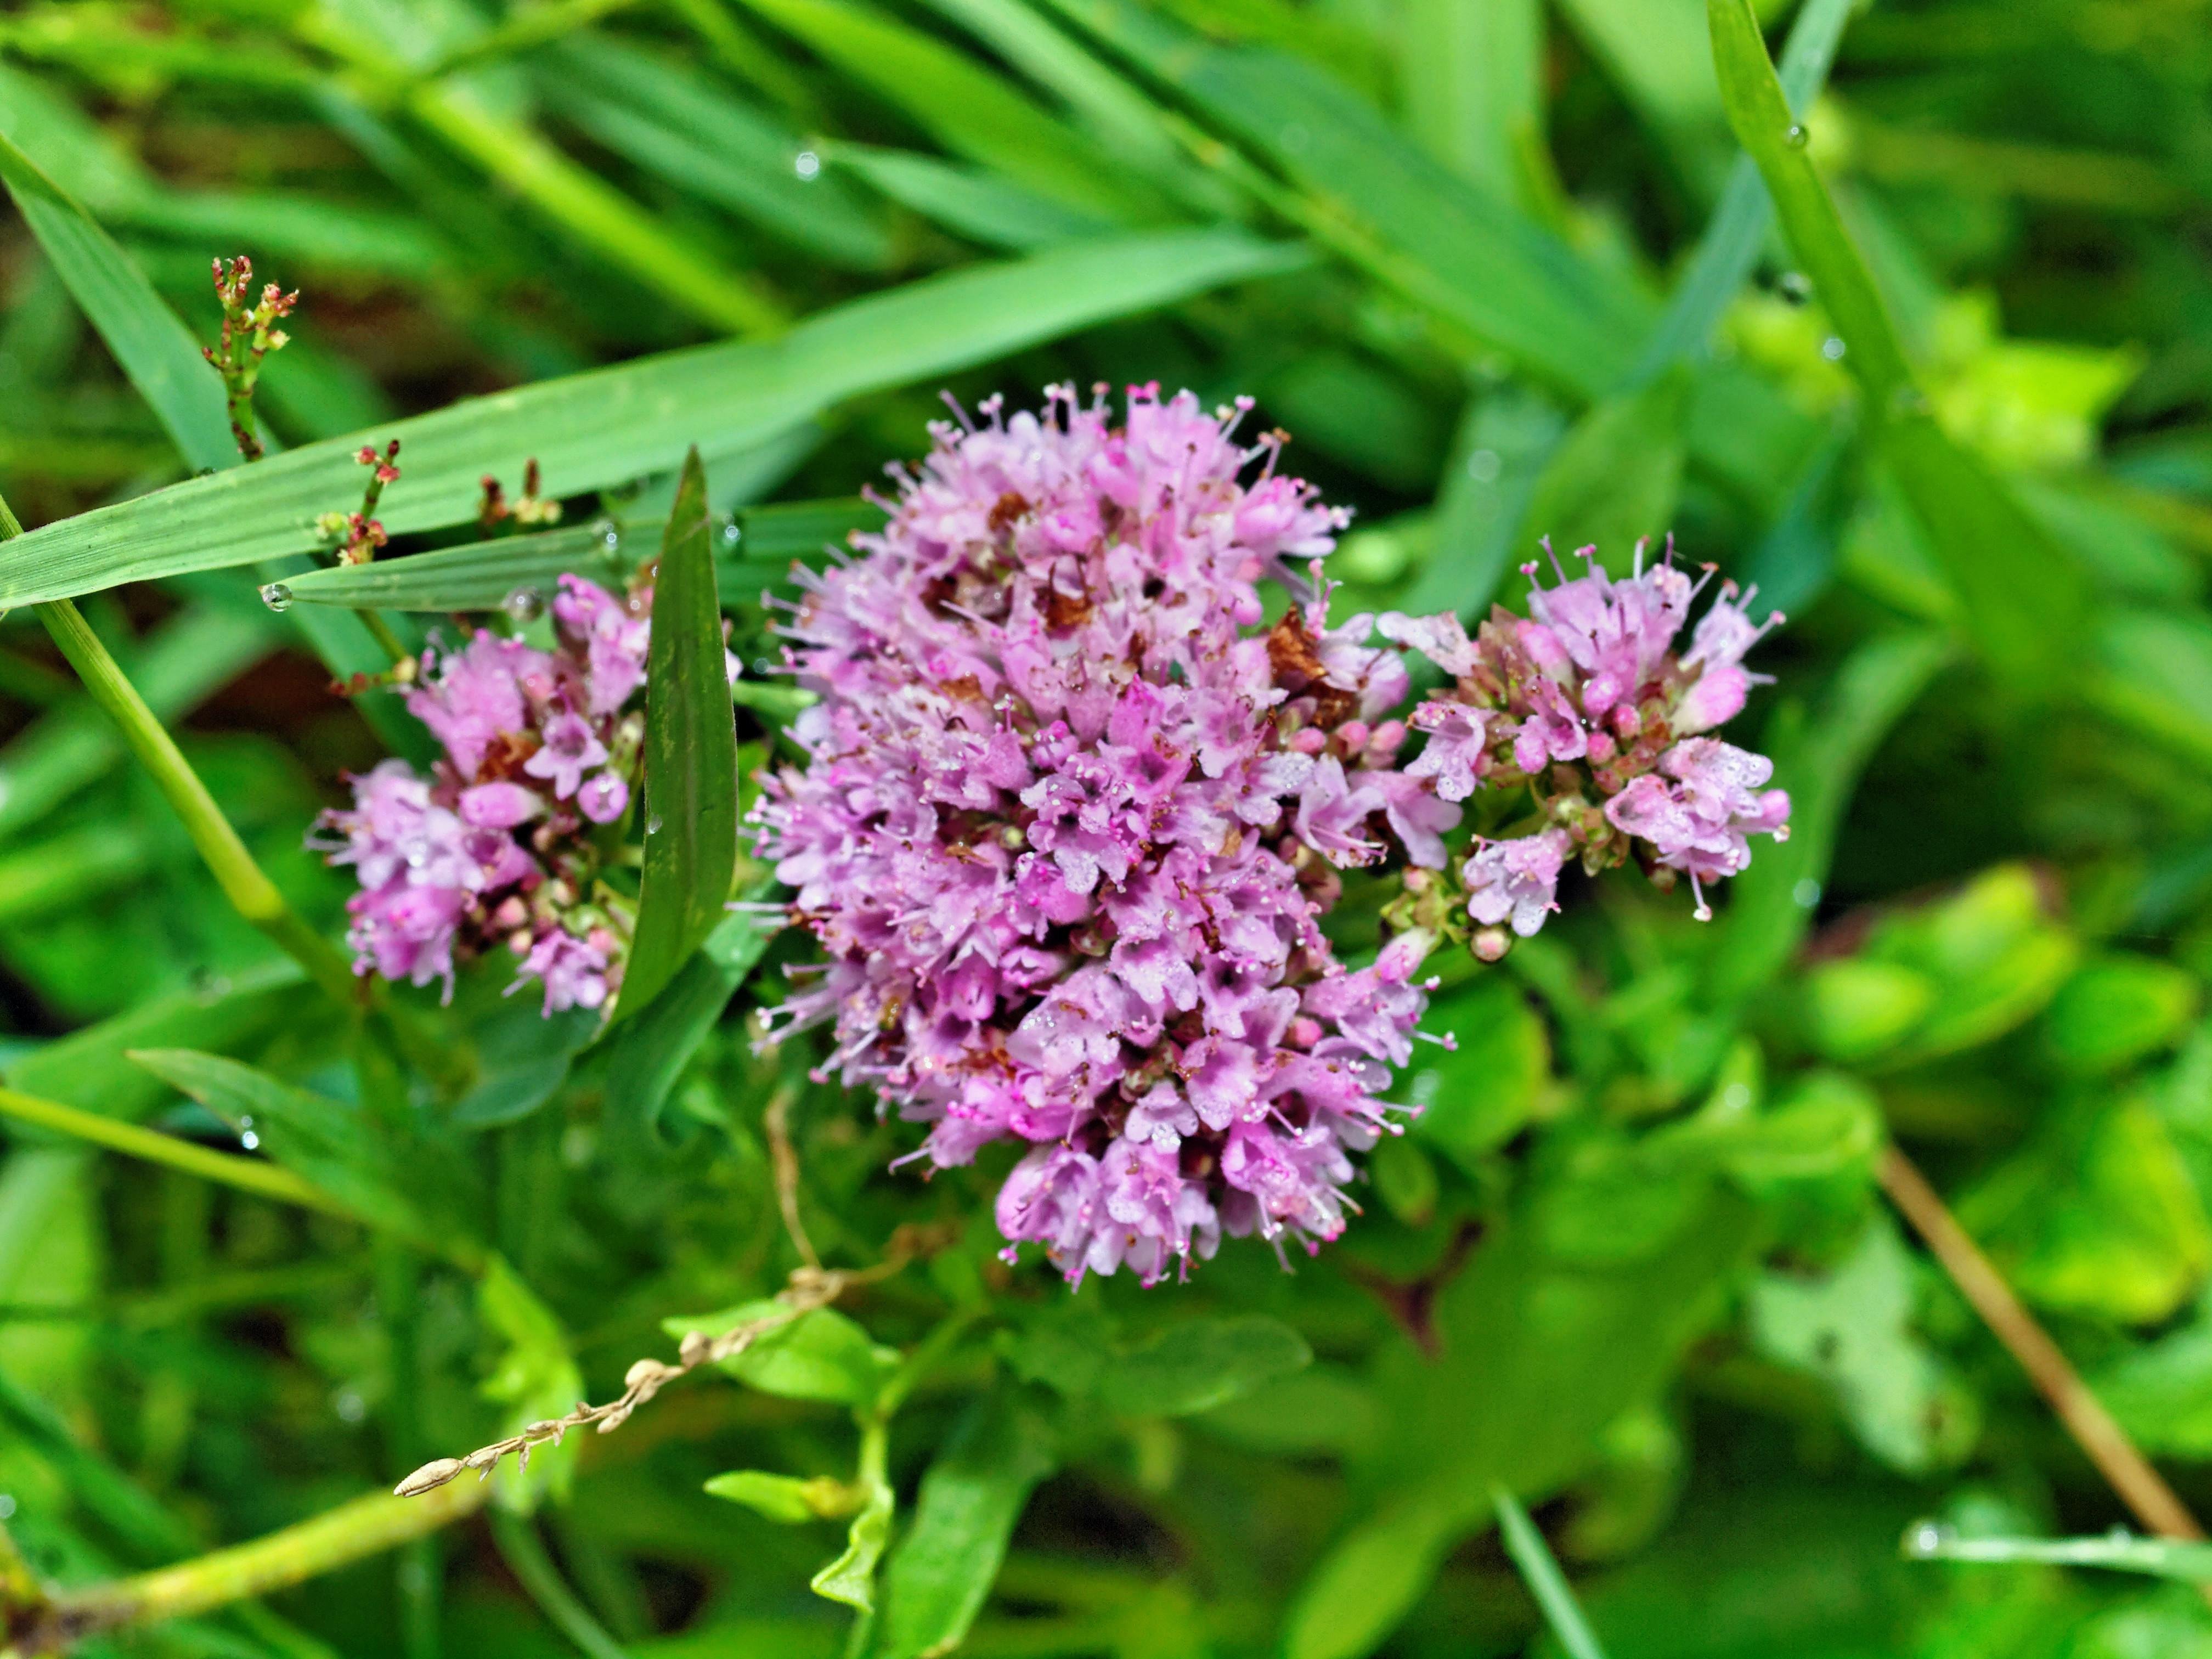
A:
[652,825]
[1797,287]
[276,596]
[524,604]
[1795,137]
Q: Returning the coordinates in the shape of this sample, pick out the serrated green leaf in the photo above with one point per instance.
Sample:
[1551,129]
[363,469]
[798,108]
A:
[690,757]
[609,426]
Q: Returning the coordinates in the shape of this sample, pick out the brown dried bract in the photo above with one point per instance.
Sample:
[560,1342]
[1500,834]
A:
[1006,510]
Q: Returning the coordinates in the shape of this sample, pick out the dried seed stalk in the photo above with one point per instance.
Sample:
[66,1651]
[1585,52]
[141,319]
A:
[810,1287]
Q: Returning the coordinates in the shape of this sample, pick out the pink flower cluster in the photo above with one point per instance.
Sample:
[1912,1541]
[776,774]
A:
[1069,820]
[496,844]
[1588,704]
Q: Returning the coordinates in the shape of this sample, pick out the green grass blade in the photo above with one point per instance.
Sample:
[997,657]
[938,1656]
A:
[1471,258]
[1124,120]
[1729,248]
[593,211]
[154,349]
[247,1175]
[1776,141]
[612,425]
[690,756]
[1545,1581]
[2120,1551]
[488,575]
[982,206]
[694,133]
[970,110]
[1473,85]
[479,576]
[2023,597]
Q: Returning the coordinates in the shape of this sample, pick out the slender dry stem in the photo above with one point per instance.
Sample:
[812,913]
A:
[2129,1474]
[785,1158]
[810,1287]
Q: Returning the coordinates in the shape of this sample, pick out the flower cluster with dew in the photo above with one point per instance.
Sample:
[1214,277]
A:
[1071,817]
[504,841]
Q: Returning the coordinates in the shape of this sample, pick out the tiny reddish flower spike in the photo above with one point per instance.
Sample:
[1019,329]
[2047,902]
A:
[1068,826]
[496,845]
[1589,703]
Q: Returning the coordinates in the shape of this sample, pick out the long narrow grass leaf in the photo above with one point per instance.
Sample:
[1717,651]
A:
[1543,1578]
[690,756]
[612,425]
[2120,1552]
[155,349]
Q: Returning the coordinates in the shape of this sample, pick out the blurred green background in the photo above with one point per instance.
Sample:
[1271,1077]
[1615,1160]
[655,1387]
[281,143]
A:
[1502,270]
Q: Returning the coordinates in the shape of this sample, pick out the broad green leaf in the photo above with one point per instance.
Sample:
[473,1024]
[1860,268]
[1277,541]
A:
[1852,1328]
[1372,1576]
[1200,1364]
[612,425]
[821,1355]
[2023,597]
[964,107]
[648,1053]
[1478,1094]
[1857,1008]
[414,1189]
[785,1498]
[690,757]
[160,356]
[2098,1215]
[2116,1011]
[1322,1410]
[2153,670]
[1540,1570]
[1613,481]
[971,1496]
[1537,1356]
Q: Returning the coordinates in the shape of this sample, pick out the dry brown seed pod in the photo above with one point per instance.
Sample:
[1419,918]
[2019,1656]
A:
[432,1474]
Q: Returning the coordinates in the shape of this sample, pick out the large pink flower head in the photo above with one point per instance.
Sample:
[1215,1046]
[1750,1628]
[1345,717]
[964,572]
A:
[1588,703]
[1069,820]
[497,845]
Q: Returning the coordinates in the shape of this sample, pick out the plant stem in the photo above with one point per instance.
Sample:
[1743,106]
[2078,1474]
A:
[249,891]
[247,1174]
[524,1550]
[366,1526]
[2140,1486]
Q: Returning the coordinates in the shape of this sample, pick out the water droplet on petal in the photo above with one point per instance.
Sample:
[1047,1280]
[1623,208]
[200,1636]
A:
[1795,137]
[276,596]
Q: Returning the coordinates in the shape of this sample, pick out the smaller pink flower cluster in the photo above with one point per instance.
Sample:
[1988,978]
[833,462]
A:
[1588,703]
[499,843]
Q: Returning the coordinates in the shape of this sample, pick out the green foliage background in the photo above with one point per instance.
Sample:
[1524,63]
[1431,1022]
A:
[1503,270]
